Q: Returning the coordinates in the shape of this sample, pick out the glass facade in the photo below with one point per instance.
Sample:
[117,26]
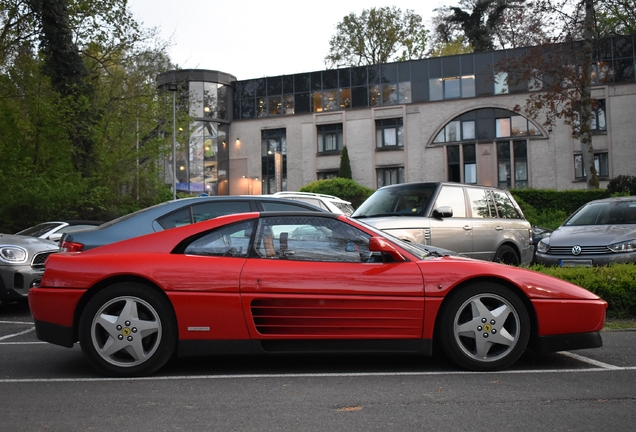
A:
[425,80]
[201,148]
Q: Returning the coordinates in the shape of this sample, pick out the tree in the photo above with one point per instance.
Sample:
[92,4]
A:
[377,35]
[562,71]
[345,165]
[615,17]
[346,189]
[68,77]
[478,20]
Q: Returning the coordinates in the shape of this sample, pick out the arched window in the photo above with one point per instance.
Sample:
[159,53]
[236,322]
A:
[503,136]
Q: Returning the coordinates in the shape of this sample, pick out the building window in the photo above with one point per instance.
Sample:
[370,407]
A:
[330,138]
[601,163]
[485,124]
[326,175]
[389,133]
[274,160]
[462,163]
[389,176]
[598,117]
[512,126]
[509,155]
[501,83]
[452,87]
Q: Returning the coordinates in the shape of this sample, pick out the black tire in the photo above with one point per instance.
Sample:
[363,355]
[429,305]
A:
[128,329]
[507,255]
[484,327]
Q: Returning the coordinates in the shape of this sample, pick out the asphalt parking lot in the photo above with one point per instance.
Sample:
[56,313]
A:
[46,387]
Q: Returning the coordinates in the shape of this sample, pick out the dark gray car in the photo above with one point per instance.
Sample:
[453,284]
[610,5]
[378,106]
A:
[599,233]
[22,264]
[172,214]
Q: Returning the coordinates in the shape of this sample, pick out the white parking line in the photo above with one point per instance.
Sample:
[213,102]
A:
[17,334]
[307,375]
[589,360]
[16,322]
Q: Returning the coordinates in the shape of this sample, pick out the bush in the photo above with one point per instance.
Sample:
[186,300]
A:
[567,201]
[614,284]
[548,218]
[346,189]
[621,185]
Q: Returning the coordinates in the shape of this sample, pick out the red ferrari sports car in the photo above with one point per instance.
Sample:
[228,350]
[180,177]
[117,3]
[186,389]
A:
[300,282]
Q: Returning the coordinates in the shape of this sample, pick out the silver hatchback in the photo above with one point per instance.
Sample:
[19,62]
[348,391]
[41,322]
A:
[599,233]
[477,221]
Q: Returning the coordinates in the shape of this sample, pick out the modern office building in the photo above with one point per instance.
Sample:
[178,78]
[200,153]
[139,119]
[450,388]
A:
[445,118]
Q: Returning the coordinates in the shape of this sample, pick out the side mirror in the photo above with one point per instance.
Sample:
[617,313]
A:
[378,244]
[443,212]
[55,237]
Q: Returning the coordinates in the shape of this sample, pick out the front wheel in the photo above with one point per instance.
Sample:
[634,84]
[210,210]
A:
[484,327]
[128,329]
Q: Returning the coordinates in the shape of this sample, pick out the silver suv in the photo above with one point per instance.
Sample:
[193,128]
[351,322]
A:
[479,222]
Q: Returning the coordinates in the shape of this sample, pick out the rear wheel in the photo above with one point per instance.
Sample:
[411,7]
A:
[484,327]
[507,255]
[128,329]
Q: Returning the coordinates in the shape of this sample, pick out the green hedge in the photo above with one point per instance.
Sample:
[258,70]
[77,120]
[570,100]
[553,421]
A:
[616,284]
[545,200]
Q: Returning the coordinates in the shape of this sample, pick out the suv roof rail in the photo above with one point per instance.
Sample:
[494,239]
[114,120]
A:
[306,194]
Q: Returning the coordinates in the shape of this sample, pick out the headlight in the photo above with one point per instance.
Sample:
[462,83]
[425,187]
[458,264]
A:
[543,245]
[13,254]
[627,246]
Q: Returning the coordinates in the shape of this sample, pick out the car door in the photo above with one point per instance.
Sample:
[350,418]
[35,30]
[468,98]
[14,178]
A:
[314,277]
[454,233]
[487,228]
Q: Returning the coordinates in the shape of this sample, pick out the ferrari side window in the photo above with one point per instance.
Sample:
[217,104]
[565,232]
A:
[306,238]
[232,240]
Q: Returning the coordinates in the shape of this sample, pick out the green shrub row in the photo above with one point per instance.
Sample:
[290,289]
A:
[545,200]
[616,284]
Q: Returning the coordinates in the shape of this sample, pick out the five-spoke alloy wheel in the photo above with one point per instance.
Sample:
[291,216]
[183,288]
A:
[484,327]
[128,329]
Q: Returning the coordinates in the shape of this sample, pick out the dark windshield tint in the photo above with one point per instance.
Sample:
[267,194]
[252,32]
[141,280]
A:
[604,213]
[38,230]
[412,199]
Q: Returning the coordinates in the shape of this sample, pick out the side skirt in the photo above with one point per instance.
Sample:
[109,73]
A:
[188,348]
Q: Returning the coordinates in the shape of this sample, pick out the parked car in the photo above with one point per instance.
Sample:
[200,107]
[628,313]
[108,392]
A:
[327,202]
[477,221]
[599,233]
[172,214]
[538,234]
[22,264]
[300,282]
[55,229]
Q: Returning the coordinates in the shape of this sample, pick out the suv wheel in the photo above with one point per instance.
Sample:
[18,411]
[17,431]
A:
[507,255]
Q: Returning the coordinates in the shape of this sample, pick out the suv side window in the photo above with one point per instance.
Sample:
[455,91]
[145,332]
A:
[505,207]
[313,201]
[481,203]
[452,196]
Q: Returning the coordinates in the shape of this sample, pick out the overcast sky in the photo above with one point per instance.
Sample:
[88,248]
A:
[256,38]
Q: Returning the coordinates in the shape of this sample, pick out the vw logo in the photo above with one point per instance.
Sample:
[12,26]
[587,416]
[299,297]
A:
[576,250]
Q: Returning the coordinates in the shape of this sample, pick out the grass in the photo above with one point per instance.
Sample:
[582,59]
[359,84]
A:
[617,324]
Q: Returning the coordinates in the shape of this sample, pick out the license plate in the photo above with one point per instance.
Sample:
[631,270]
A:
[575,263]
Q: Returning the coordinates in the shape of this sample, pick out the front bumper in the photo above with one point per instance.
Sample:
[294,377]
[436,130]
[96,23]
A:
[554,343]
[584,260]
[16,280]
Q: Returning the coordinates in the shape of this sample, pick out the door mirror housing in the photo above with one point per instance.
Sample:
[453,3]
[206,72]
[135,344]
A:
[379,244]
